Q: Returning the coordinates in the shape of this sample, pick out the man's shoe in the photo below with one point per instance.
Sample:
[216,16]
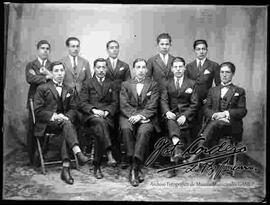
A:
[82,158]
[177,154]
[65,175]
[140,176]
[97,172]
[171,173]
[133,178]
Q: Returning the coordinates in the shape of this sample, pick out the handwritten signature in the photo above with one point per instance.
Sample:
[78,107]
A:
[164,147]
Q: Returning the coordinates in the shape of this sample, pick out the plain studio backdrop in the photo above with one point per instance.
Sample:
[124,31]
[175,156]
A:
[234,33]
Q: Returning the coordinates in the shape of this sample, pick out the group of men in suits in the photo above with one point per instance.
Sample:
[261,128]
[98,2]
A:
[165,95]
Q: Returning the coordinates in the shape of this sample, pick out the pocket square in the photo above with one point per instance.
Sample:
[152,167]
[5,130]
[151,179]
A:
[68,95]
[206,72]
[122,68]
[84,69]
[32,72]
[236,94]
[110,90]
[189,90]
[149,93]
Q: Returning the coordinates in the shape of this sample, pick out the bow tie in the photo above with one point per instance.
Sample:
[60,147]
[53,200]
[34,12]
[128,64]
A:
[226,86]
[58,85]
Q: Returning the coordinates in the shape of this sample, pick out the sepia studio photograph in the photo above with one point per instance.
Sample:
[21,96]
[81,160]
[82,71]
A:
[134,102]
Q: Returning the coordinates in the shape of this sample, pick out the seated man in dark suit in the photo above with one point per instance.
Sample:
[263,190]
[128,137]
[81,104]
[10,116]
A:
[55,111]
[179,103]
[138,107]
[36,73]
[224,109]
[98,103]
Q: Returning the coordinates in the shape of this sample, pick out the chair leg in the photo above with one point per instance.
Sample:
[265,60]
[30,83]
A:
[41,157]
[76,162]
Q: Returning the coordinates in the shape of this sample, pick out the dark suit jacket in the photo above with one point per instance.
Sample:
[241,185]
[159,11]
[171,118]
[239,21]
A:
[93,95]
[34,77]
[181,102]
[119,74]
[75,79]
[158,70]
[129,103]
[203,81]
[236,105]
[45,104]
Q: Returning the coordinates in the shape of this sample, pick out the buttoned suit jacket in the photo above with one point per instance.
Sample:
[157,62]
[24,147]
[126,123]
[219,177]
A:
[129,102]
[203,81]
[183,101]
[93,95]
[235,104]
[45,104]
[34,77]
[75,79]
[160,72]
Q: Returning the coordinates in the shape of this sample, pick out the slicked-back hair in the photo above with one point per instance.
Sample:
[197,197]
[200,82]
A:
[71,39]
[99,60]
[55,63]
[164,36]
[230,65]
[199,41]
[112,41]
[178,59]
[41,42]
[138,60]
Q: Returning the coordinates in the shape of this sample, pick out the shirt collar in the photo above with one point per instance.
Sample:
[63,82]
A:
[181,79]
[226,83]
[57,82]
[141,81]
[165,56]
[40,60]
[102,79]
[202,61]
[71,57]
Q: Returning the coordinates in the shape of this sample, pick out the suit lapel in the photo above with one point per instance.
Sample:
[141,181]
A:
[229,94]
[145,89]
[194,68]
[79,66]
[53,89]
[69,65]
[161,64]
[117,67]
[217,95]
[183,87]
[105,87]
[134,89]
[96,85]
[205,65]
[110,69]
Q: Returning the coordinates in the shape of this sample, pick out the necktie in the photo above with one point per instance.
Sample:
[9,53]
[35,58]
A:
[177,83]
[200,66]
[225,86]
[74,63]
[113,65]
[100,81]
[58,85]
[43,63]
[164,60]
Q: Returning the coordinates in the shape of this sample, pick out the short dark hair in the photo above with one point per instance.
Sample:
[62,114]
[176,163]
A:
[138,60]
[54,64]
[99,60]
[71,39]
[200,41]
[112,41]
[178,59]
[164,36]
[41,42]
[230,65]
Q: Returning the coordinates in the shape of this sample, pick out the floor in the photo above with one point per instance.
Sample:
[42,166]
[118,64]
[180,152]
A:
[22,182]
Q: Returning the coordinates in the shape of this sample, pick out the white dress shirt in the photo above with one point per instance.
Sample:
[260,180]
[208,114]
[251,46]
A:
[100,80]
[180,81]
[139,86]
[40,60]
[164,58]
[224,90]
[198,61]
[113,62]
[72,60]
[59,89]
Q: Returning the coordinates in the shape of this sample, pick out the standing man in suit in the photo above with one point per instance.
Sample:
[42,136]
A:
[36,73]
[98,103]
[138,106]
[77,71]
[224,109]
[118,71]
[159,66]
[179,104]
[54,107]
[204,72]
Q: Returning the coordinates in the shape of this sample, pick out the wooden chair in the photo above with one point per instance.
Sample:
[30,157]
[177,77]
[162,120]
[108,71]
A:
[42,148]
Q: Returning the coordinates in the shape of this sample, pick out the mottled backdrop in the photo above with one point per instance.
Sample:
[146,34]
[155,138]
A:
[234,33]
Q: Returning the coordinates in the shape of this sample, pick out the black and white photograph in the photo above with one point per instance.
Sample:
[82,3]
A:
[134,102]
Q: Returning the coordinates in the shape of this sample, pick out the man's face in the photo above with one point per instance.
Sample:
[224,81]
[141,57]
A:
[164,46]
[226,74]
[44,51]
[100,69]
[178,69]
[113,50]
[74,48]
[200,51]
[140,70]
[58,73]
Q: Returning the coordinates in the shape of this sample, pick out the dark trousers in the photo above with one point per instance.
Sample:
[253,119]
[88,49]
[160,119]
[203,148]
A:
[30,140]
[69,136]
[136,138]
[99,128]
[116,140]
[197,122]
